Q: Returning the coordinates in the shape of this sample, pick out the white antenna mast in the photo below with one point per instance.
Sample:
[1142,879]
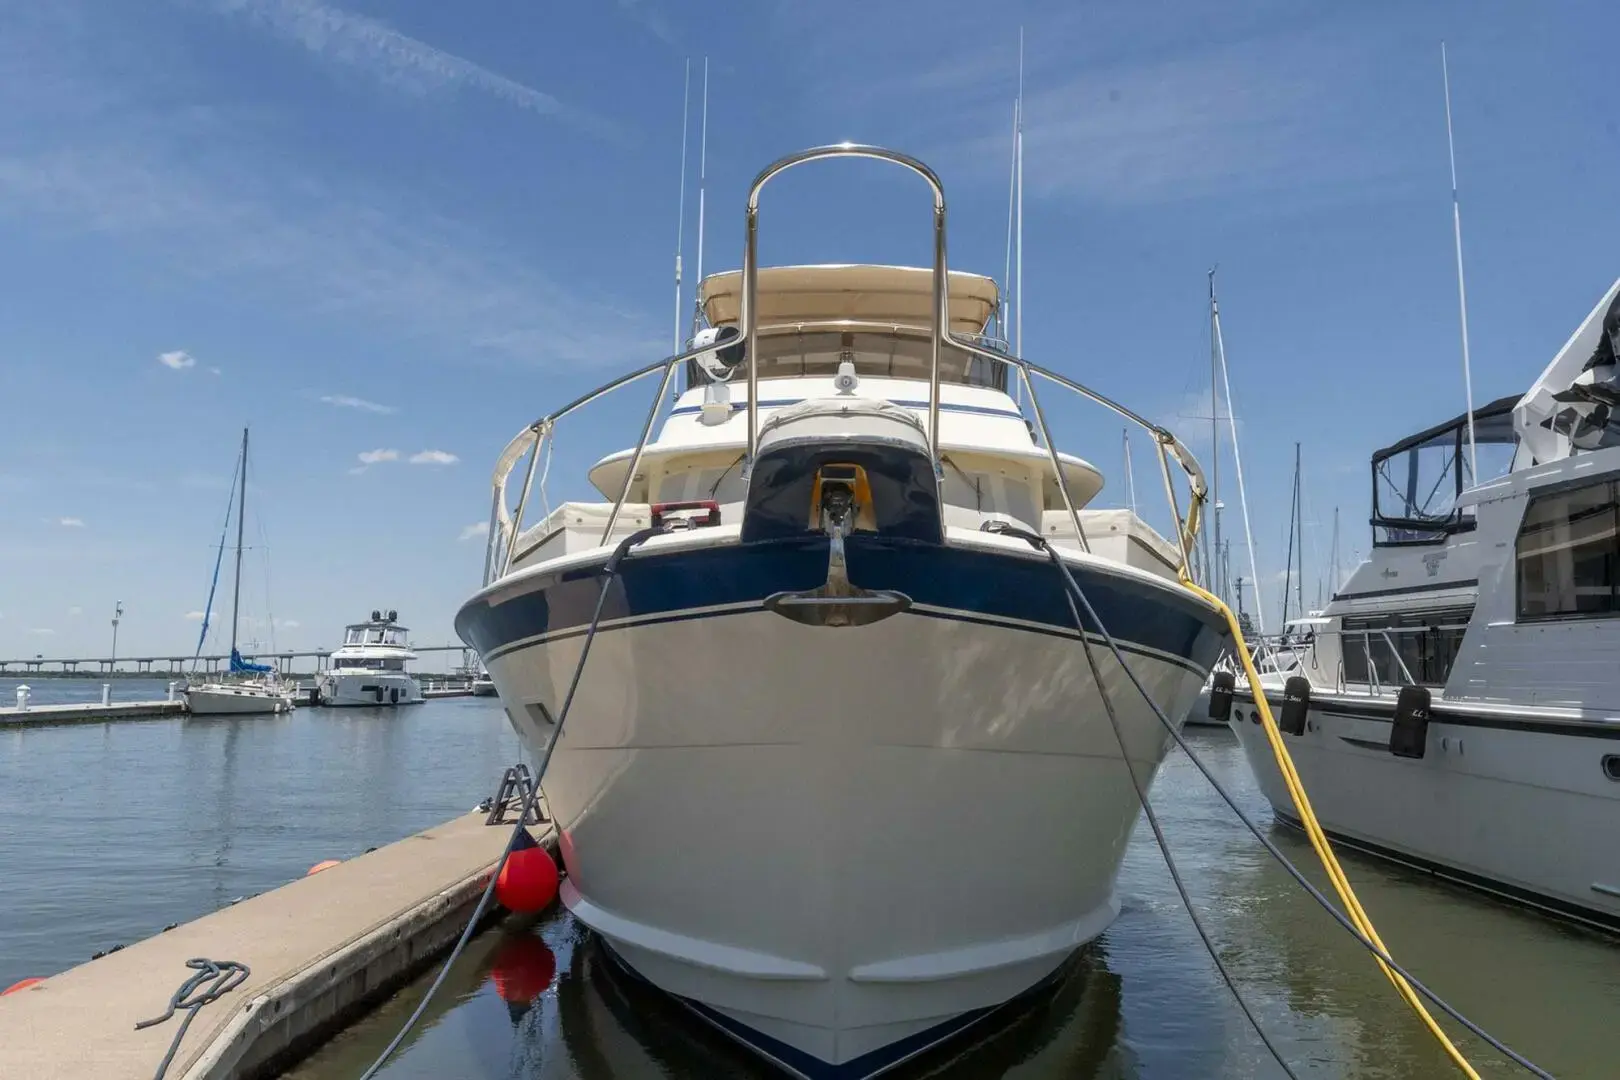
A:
[703,179]
[1237,461]
[1462,291]
[1018,152]
[680,218]
[1012,201]
[1130,480]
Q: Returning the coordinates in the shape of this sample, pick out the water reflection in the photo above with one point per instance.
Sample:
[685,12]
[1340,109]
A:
[599,1021]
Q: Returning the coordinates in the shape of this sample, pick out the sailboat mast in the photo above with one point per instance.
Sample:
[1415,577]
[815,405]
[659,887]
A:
[1293,525]
[241,515]
[1215,432]
[1299,515]
[1237,460]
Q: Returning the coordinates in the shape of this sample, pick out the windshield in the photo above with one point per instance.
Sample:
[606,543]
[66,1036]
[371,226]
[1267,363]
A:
[1417,482]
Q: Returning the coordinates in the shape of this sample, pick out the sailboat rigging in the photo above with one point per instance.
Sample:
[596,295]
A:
[251,695]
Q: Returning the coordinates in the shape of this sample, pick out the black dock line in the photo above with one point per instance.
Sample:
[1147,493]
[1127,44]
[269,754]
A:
[608,570]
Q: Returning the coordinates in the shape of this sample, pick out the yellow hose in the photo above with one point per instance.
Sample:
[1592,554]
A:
[1319,842]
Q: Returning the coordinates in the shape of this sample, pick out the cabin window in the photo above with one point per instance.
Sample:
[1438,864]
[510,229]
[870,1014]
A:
[1426,642]
[1566,554]
[875,355]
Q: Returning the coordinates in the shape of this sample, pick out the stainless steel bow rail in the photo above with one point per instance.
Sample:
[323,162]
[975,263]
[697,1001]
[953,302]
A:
[505,528]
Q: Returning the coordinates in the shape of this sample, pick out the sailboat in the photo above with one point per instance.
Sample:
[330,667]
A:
[1217,560]
[248,688]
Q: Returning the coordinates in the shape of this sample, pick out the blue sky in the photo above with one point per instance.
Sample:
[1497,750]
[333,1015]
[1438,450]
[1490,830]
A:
[412,227]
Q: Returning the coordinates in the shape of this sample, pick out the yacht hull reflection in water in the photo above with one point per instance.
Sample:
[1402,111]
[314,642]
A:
[837,774]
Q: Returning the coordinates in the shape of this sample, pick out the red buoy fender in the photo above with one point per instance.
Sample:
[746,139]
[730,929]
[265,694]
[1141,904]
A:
[23,985]
[528,881]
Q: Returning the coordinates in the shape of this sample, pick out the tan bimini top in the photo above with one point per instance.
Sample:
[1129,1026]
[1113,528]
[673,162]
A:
[893,295]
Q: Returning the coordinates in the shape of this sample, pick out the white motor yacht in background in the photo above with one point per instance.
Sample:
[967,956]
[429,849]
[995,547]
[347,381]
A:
[837,775]
[247,688]
[370,667]
[1458,708]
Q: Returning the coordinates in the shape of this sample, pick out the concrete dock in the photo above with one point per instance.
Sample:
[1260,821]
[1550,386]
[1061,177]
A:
[89,712]
[321,949]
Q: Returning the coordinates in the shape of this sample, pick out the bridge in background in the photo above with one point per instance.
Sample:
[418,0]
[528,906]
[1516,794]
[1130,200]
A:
[174,665]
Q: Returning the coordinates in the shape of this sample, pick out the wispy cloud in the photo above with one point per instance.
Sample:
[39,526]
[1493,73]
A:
[649,15]
[1122,106]
[70,522]
[42,631]
[434,457]
[368,458]
[75,610]
[194,616]
[377,50]
[344,401]
[178,360]
[477,529]
[209,194]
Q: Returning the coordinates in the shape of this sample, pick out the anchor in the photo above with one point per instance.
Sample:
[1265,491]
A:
[839,601]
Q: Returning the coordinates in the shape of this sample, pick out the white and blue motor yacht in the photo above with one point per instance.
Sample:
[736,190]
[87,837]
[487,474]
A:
[838,775]
[369,669]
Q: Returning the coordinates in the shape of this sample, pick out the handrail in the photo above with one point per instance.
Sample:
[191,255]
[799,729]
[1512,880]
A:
[541,429]
[534,437]
[1165,438]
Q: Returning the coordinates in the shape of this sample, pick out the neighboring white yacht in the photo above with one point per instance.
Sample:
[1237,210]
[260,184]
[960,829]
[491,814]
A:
[837,775]
[370,667]
[1458,708]
[247,688]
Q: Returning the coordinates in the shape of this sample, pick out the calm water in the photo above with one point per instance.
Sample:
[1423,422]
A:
[108,832]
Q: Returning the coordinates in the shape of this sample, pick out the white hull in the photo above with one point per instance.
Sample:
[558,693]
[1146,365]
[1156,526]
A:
[1527,814]
[840,845]
[216,699]
[370,688]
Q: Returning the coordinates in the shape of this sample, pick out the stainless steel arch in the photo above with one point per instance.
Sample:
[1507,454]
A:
[750,276]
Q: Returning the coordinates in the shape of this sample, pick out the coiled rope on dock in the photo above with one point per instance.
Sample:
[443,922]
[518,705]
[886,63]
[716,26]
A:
[213,980]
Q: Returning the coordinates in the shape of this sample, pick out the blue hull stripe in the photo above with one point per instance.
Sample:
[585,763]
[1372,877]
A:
[969,584]
[782,403]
